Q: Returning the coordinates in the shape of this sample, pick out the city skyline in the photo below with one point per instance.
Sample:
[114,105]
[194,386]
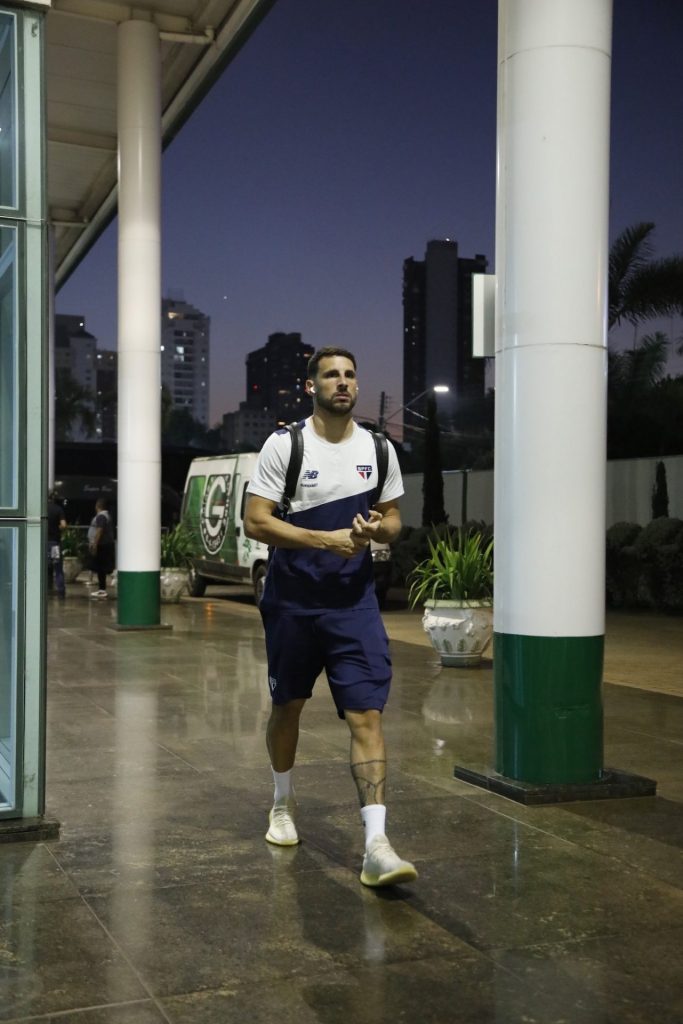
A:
[371,132]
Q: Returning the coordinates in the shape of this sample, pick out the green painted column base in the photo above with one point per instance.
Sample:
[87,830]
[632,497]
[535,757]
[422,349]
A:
[548,708]
[139,600]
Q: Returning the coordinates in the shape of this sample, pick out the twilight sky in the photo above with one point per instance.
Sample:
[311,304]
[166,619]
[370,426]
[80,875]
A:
[345,135]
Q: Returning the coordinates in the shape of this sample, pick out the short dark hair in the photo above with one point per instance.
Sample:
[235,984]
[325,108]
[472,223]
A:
[326,353]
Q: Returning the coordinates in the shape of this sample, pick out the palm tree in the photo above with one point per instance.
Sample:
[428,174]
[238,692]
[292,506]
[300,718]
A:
[640,287]
[643,406]
[634,373]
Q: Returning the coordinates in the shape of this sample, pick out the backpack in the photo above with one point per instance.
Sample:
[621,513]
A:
[296,458]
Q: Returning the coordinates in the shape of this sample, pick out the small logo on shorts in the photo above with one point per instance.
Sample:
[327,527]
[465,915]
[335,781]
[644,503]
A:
[365,471]
[272,683]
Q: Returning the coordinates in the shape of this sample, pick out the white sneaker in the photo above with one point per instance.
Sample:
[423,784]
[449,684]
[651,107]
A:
[383,866]
[282,829]
[99,593]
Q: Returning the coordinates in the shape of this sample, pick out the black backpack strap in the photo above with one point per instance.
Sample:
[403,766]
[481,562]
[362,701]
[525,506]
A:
[382,451]
[296,457]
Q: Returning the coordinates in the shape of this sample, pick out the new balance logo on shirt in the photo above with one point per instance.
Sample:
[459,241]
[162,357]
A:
[310,478]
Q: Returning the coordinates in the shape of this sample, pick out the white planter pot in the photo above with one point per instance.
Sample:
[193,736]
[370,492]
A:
[173,584]
[459,630]
[71,566]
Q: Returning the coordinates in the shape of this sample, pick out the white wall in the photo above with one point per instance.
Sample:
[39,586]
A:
[629,492]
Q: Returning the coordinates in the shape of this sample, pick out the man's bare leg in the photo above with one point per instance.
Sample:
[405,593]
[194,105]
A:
[282,737]
[381,864]
[282,734]
[368,755]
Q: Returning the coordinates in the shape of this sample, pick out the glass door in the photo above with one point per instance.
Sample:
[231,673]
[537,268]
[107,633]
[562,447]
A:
[22,388]
[8,114]
[9,675]
[9,438]
[9,383]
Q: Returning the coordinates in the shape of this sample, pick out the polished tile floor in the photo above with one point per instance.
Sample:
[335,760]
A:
[162,902]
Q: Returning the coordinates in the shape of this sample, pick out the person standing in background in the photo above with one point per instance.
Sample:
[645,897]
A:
[101,543]
[55,524]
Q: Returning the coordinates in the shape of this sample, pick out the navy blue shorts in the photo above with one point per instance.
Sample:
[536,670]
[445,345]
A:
[351,645]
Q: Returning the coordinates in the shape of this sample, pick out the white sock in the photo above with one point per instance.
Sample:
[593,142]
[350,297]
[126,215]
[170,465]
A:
[374,817]
[283,784]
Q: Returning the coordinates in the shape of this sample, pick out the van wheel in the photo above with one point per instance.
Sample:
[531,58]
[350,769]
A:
[259,580]
[197,584]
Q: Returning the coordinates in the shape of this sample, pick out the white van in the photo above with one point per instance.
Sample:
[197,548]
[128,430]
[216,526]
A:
[213,506]
[214,499]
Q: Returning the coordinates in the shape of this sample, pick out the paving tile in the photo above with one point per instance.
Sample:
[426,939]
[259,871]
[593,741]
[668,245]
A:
[467,990]
[132,1013]
[162,883]
[635,978]
[292,924]
[56,956]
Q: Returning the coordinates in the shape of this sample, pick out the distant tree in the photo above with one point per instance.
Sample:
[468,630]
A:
[640,287]
[73,404]
[213,438]
[645,408]
[433,510]
[660,493]
[634,373]
[166,409]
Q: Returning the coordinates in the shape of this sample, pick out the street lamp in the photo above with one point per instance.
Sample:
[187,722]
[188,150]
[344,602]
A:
[440,389]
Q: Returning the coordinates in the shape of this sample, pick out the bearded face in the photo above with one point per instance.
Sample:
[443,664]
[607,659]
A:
[335,388]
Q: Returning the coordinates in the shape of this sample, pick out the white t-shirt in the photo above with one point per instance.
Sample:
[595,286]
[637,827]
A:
[336,481]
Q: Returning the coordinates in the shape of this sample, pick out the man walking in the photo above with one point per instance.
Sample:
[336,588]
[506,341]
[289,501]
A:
[319,607]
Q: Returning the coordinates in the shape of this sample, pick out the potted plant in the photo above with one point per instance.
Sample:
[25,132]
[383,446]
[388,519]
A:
[455,583]
[176,548]
[74,547]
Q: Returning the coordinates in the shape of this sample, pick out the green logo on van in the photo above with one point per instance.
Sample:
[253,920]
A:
[213,521]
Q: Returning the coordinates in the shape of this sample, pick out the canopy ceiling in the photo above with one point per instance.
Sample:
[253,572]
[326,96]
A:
[199,38]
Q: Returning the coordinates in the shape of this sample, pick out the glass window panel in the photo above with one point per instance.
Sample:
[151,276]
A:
[8,120]
[8,663]
[8,369]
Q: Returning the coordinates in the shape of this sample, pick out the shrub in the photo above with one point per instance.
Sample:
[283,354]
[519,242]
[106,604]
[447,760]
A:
[74,543]
[666,577]
[620,535]
[657,548]
[412,546]
[459,567]
[176,547]
[659,531]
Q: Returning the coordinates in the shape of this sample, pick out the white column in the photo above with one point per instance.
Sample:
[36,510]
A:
[139,338]
[551,365]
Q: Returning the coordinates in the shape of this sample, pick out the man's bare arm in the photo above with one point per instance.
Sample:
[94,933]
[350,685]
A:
[382,525]
[261,523]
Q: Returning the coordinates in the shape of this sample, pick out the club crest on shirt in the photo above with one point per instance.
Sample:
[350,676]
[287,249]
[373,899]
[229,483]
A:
[365,471]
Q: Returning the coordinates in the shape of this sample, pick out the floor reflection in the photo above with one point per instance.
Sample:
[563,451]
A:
[162,902]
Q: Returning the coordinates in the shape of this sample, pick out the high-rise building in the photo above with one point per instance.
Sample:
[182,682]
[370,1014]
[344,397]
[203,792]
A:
[106,394]
[276,376]
[185,334]
[76,350]
[437,323]
[247,428]
[76,356]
